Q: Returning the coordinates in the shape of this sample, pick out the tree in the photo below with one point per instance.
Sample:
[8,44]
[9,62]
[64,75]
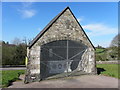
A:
[100,47]
[16,41]
[116,41]
[20,54]
[13,54]
[8,52]
[3,42]
[114,48]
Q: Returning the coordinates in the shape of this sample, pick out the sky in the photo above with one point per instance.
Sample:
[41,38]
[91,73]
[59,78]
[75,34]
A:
[26,19]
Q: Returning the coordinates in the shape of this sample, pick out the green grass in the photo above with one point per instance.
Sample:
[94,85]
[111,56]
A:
[110,70]
[9,76]
[99,50]
[101,54]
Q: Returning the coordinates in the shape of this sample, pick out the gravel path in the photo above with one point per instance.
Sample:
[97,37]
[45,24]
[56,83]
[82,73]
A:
[84,81]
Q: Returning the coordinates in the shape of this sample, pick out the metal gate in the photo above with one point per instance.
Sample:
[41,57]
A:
[62,56]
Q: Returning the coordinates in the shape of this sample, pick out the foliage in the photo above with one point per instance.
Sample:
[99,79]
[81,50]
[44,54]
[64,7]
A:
[7,54]
[9,76]
[105,54]
[100,47]
[110,70]
[113,52]
[101,54]
[110,53]
[13,54]
[20,55]
[0,53]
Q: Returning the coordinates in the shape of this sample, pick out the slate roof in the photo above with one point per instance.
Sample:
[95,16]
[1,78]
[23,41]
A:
[50,24]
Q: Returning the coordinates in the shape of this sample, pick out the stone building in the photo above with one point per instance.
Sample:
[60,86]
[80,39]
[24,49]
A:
[61,47]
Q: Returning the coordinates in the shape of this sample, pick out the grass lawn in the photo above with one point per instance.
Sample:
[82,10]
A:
[9,76]
[99,50]
[110,70]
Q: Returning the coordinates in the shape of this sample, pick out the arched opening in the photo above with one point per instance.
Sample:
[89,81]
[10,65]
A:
[60,56]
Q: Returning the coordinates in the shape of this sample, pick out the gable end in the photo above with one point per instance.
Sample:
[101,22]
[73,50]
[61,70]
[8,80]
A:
[51,23]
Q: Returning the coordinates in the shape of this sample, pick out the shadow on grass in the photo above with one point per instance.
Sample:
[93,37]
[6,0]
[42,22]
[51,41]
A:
[10,82]
[99,70]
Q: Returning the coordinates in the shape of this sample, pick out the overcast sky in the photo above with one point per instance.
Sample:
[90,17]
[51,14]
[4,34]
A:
[27,19]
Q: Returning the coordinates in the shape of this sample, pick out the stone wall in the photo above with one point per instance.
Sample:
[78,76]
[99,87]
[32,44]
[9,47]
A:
[64,28]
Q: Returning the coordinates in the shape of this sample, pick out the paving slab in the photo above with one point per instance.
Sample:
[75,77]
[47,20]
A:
[84,81]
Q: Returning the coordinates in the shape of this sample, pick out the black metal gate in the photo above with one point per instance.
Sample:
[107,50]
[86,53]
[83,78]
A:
[62,56]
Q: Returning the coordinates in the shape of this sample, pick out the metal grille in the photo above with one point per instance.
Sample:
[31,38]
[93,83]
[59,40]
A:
[60,56]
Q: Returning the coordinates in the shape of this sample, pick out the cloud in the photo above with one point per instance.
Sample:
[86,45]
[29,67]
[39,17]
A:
[103,43]
[27,13]
[99,29]
[100,33]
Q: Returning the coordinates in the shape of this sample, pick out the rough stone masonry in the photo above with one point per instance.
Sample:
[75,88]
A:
[54,45]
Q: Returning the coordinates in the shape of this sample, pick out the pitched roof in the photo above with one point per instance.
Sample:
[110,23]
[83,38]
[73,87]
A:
[50,24]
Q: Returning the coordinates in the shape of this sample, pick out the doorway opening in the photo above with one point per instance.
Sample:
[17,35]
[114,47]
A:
[61,56]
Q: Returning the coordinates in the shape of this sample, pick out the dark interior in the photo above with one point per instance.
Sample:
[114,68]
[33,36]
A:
[56,55]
